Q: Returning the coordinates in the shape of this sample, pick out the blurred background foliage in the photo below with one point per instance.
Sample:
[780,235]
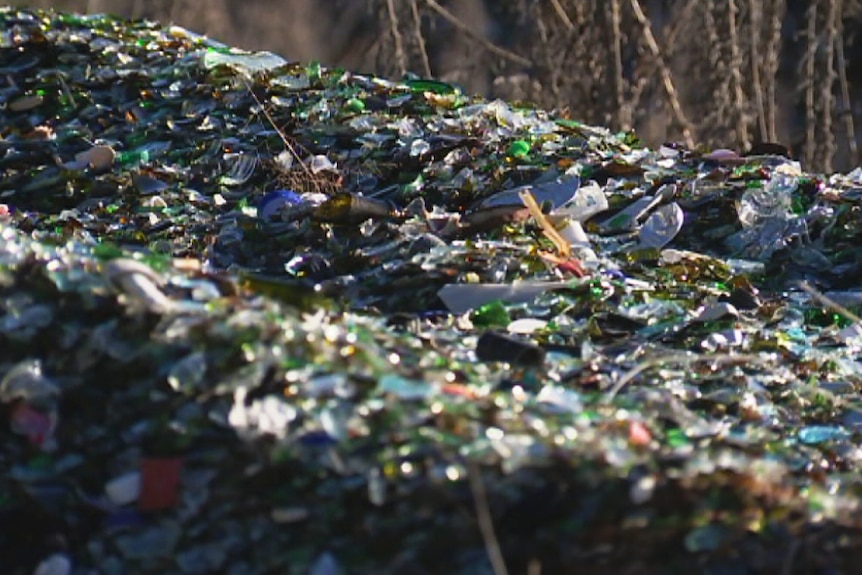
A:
[716,73]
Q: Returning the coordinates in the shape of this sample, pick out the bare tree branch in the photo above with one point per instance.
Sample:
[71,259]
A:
[486,525]
[736,75]
[420,39]
[449,17]
[755,8]
[827,96]
[558,8]
[667,81]
[773,53]
[623,117]
[548,54]
[400,59]
[675,27]
[846,103]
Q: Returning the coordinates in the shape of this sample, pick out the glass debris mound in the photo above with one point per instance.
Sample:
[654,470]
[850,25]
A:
[259,316]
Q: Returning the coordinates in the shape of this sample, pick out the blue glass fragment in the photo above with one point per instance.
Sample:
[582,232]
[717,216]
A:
[316,439]
[814,434]
[272,202]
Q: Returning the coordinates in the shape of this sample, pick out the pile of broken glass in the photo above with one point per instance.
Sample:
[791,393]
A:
[259,316]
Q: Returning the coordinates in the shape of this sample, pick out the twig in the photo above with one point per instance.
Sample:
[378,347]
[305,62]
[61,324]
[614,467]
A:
[563,246]
[290,147]
[558,8]
[449,17]
[679,359]
[396,36]
[420,39]
[828,302]
[486,524]
[845,95]
[667,81]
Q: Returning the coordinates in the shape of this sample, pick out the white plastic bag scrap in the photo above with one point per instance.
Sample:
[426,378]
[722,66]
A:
[266,416]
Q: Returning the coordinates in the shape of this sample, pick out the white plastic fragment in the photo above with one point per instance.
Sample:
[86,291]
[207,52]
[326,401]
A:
[526,325]
[851,335]
[326,564]
[239,167]
[789,168]
[560,399]
[773,200]
[662,226]
[97,158]
[589,200]
[403,388]
[717,310]
[419,147]
[56,564]
[292,82]
[139,283]
[573,232]
[270,415]
[461,298]
[723,340]
[124,489]
[321,163]
[289,514]
[26,382]
[248,63]
[628,218]
[558,193]
[642,490]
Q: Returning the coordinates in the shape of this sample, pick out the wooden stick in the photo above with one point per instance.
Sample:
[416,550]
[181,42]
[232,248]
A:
[486,524]
[550,231]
